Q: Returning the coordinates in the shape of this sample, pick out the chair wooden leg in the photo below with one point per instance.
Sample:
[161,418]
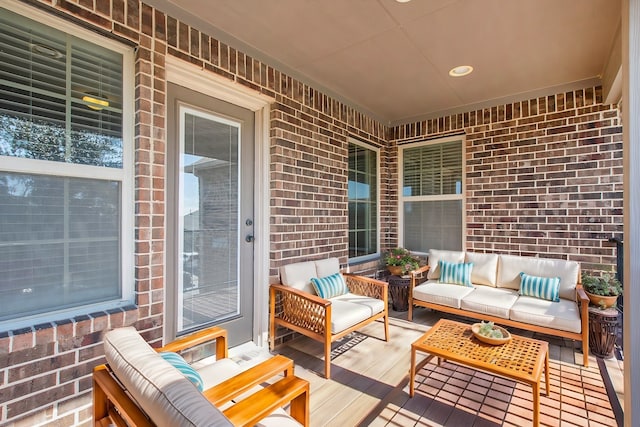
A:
[386,327]
[327,356]
[410,314]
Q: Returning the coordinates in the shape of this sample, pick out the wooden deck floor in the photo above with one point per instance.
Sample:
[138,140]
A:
[369,384]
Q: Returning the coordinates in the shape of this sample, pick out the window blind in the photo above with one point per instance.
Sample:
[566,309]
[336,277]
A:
[45,79]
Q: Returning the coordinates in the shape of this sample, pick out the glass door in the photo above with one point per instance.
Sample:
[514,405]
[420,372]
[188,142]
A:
[214,206]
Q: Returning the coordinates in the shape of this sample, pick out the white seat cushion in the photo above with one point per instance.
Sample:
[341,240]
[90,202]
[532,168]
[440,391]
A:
[563,315]
[489,300]
[485,268]
[441,293]
[217,371]
[350,309]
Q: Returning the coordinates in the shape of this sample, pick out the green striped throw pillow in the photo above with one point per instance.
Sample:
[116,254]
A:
[185,369]
[540,287]
[330,286]
[458,274]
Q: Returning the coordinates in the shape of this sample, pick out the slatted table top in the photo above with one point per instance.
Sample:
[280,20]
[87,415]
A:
[521,358]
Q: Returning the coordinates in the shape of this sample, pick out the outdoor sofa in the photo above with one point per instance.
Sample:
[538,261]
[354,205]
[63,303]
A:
[535,294]
[317,300]
[139,386]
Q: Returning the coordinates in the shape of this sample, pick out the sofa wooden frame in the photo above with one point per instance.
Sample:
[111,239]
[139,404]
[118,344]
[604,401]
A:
[581,299]
[112,405]
[311,315]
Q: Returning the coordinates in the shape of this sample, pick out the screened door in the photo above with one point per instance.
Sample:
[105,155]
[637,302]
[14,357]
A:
[213,221]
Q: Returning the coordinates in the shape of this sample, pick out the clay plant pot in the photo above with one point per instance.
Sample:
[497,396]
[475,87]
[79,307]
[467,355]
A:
[395,270]
[602,301]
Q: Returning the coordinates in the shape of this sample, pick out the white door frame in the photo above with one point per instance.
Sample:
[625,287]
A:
[210,84]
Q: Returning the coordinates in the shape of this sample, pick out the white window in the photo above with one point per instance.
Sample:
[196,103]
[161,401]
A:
[65,171]
[363,200]
[431,194]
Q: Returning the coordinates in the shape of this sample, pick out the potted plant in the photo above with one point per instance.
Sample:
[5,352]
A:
[602,291]
[399,261]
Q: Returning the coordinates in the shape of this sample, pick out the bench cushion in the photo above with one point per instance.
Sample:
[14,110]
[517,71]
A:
[159,388]
[441,293]
[562,315]
[350,309]
[489,300]
[511,266]
[436,255]
[485,268]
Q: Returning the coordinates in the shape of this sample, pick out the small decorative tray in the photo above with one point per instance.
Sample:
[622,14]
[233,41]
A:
[493,341]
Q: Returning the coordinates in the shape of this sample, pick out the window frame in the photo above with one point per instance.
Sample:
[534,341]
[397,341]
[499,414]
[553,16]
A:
[442,197]
[376,254]
[125,175]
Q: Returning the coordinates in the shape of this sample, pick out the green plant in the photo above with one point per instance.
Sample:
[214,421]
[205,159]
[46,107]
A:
[605,285]
[402,257]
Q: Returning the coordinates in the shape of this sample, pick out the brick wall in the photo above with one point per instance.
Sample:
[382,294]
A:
[543,176]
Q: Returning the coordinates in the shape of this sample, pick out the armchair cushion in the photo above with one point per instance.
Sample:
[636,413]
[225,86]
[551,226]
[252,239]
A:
[298,275]
[329,286]
[156,386]
[350,309]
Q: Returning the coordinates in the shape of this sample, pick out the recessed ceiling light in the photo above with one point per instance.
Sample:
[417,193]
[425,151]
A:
[461,70]
[403,1]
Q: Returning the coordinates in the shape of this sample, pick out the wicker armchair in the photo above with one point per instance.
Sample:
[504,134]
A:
[294,305]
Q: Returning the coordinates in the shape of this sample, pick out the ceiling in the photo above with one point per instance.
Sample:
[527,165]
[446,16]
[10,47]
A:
[391,60]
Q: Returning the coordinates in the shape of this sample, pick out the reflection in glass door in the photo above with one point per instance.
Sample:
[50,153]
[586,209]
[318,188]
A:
[209,190]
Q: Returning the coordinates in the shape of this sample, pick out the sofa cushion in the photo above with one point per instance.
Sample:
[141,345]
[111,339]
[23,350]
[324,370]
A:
[488,300]
[159,388]
[350,309]
[563,315]
[510,267]
[329,286]
[540,287]
[436,255]
[441,293]
[185,369]
[455,273]
[298,275]
[485,268]
[327,267]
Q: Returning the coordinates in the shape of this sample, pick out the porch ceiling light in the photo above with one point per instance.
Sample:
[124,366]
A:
[461,70]
[95,103]
[403,1]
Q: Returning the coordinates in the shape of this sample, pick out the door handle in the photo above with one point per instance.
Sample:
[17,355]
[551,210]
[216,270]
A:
[249,238]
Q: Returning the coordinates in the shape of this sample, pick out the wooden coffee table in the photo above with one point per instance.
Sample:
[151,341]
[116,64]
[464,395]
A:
[521,359]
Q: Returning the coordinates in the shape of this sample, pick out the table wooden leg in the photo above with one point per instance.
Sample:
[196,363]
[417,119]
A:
[412,371]
[536,403]
[546,371]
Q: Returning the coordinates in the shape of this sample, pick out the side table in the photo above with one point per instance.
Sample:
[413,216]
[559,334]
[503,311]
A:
[603,330]
[399,290]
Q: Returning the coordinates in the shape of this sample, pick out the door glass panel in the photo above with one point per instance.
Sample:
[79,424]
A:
[209,190]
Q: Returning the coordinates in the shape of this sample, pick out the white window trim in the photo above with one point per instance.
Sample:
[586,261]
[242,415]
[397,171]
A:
[462,196]
[125,175]
[376,255]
